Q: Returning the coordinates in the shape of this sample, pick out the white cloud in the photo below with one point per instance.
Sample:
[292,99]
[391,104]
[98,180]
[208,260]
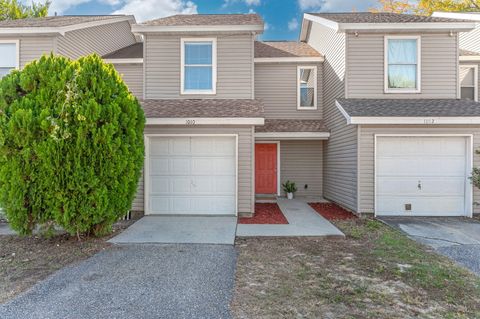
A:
[251,11]
[60,6]
[267,26]
[252,2]
[293,24]
[249,3]
[336,5]
[152,9]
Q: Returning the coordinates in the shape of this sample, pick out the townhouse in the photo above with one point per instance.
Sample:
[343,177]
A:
[376,112]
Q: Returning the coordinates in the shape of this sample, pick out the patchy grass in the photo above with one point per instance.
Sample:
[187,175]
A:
[376,272]
[26,260]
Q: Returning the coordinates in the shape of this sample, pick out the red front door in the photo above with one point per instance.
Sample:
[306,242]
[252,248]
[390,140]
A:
[265,168]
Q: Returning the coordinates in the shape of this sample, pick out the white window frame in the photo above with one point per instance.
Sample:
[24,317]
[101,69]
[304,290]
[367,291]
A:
[475,80]
[306,108]
[17,46]
[214,66]
[418,89]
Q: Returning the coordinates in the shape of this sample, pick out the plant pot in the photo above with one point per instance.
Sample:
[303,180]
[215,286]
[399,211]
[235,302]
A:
[290,195]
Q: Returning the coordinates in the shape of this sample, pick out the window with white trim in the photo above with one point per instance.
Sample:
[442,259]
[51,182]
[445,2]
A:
[469,82]
[402,64]
[307,87]
[198,66]
[8,57]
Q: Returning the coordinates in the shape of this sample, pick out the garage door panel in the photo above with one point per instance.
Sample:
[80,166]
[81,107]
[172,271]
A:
[421,166]
[438,164]
[421,206]
[404,186]
[192,175]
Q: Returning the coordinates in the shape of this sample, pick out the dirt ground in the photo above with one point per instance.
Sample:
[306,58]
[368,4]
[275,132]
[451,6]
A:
[375,272]
[26,260]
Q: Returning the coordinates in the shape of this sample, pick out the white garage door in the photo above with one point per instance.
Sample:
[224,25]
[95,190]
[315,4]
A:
[421,176]
[192,175]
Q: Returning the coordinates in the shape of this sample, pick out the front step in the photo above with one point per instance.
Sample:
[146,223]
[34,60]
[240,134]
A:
[265,198]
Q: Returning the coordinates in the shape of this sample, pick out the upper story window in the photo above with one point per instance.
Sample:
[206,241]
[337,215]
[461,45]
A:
[469,82]
[199,65]
[402,64]
[307,87]
[8,56]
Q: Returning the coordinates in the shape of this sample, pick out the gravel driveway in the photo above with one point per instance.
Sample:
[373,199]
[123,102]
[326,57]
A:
[135,281]
[455,237]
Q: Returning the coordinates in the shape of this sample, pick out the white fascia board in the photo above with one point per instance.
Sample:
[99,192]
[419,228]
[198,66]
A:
[289,59]
[457,15]
[344,113]
[194,121]
[63,30]
[469,58]
[342,27]
[416,120]
[292,135]
[142,28]
[124,61]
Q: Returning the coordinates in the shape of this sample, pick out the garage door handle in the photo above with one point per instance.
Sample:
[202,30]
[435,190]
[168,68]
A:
[419,185]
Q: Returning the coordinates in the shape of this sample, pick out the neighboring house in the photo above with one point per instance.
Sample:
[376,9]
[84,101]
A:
[372,111]
[402,141]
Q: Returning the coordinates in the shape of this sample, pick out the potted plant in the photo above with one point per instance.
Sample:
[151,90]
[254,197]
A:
[289,188]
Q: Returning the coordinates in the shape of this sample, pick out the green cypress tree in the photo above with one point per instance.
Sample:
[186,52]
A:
[71,145]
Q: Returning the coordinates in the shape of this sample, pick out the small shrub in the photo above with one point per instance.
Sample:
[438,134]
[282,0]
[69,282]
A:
[71,145]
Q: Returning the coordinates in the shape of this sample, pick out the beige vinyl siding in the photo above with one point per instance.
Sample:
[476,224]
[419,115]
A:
[365,65]
[367,155]
[245,163]
[302,163]
[340,151]
[32,48]
[234,66]
[470,40]
[132,75]
[276,86]
[101,39]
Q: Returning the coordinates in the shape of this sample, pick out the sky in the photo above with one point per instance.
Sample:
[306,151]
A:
[282,17]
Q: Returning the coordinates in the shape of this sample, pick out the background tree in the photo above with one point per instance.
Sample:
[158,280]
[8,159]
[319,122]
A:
[12,9]
[71,145]
[426,7]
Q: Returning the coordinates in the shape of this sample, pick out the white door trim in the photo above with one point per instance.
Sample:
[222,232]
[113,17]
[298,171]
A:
[468,166]
[278,162]
[146,173]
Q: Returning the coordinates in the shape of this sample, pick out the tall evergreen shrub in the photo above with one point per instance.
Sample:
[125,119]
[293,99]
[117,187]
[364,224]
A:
[71,145]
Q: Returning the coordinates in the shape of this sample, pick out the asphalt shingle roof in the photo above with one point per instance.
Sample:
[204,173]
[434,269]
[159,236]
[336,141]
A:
[292,126]
[467,52]
[283,49]
[202,108]
[134,51]
[207,19]
[55,21]
[382,17]
[409,107]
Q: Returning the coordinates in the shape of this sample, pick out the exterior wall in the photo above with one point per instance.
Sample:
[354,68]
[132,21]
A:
[132,75]
[33,47]
[100,39]
[302,162]
[469,40]
[365,65]
[474,63]
[234,66]
[340,151]
[276,86]
[367,157]
[245,160]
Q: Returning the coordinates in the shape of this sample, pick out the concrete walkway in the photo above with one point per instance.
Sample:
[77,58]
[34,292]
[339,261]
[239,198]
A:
[135,281]
[303,221]
[180,230]
[6,230]
[455,237]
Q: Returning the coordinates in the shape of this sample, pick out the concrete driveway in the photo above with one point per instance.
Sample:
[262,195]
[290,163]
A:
[455,237]
[135,281]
